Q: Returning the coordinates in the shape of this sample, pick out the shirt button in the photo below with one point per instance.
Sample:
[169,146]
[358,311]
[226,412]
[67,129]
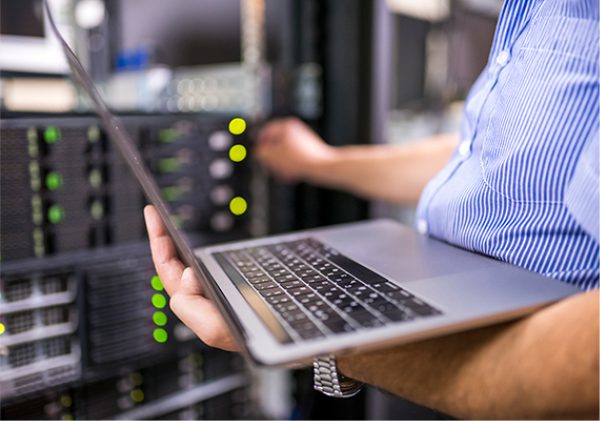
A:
[464,149]
[502,58]
[422,226]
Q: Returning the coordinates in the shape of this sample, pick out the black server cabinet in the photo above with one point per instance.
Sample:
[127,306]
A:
[86,331]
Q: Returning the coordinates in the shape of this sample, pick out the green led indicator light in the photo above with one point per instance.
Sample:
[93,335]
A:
[159,301]
[171,194]
[157,283]
[168,165]
[2,328]
[237,126]
[167,135]
[160,335]
[51,135]
[56,214]
[159,318]
[238,206]
[54,181]
[237,153]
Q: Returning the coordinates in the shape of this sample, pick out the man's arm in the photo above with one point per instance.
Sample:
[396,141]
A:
[543,366]
[395,173]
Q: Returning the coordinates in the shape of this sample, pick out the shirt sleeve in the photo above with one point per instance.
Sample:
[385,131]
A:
[582,196]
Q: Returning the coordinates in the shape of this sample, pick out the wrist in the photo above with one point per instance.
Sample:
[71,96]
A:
[323,169]
[345,365]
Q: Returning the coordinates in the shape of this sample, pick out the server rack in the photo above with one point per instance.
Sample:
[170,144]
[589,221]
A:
[85,329]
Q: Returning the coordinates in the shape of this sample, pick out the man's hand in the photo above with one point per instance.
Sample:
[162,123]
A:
[187,300]
[291,150]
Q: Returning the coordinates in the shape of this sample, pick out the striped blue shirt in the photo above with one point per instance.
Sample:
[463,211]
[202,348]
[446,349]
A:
[523,185]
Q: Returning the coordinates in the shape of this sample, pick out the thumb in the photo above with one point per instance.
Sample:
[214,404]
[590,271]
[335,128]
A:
[190,284]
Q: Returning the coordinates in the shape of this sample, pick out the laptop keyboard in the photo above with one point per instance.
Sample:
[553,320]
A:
[315,290]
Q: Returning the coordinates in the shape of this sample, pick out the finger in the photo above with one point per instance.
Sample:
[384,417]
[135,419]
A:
[201,315]
[260,151]
[270,132]
[190,284]
[164,254]
[262,134]
[265,152]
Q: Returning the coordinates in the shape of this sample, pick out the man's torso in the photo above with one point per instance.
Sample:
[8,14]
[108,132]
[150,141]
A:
[528,120]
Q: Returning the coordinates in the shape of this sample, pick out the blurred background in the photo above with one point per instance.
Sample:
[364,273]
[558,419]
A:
[85,329]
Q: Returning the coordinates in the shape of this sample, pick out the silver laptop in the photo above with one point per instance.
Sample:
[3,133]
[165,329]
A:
[353,287]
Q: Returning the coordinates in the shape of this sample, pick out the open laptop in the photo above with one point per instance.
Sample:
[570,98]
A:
[290,298]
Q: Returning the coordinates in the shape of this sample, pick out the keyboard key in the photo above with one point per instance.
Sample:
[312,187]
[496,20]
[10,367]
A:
[399,295]
[347,284]
[352,307]
[299,291]
[294,315]
[292,284]
[358,290]
[284,278]
[371,297]
[310,333]
[343,301]
[331,294]
[384,306]
[306,329]
[420,308]
[252,273]
[317,305]
[313,281]
[259,279]
[321,286]
[270,292]
[338,325]
[307,299]
[365,318]
[338,276]
[278,299]
[398,315]
[385,286]
[265,285]
[285,307]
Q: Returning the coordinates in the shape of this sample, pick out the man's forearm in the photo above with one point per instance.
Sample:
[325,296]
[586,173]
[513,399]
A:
[543,366]
[395,173]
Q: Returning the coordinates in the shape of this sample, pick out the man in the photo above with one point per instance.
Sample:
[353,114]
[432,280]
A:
[522,186]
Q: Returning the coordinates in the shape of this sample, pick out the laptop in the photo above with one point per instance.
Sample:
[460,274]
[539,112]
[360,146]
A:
[334,290]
